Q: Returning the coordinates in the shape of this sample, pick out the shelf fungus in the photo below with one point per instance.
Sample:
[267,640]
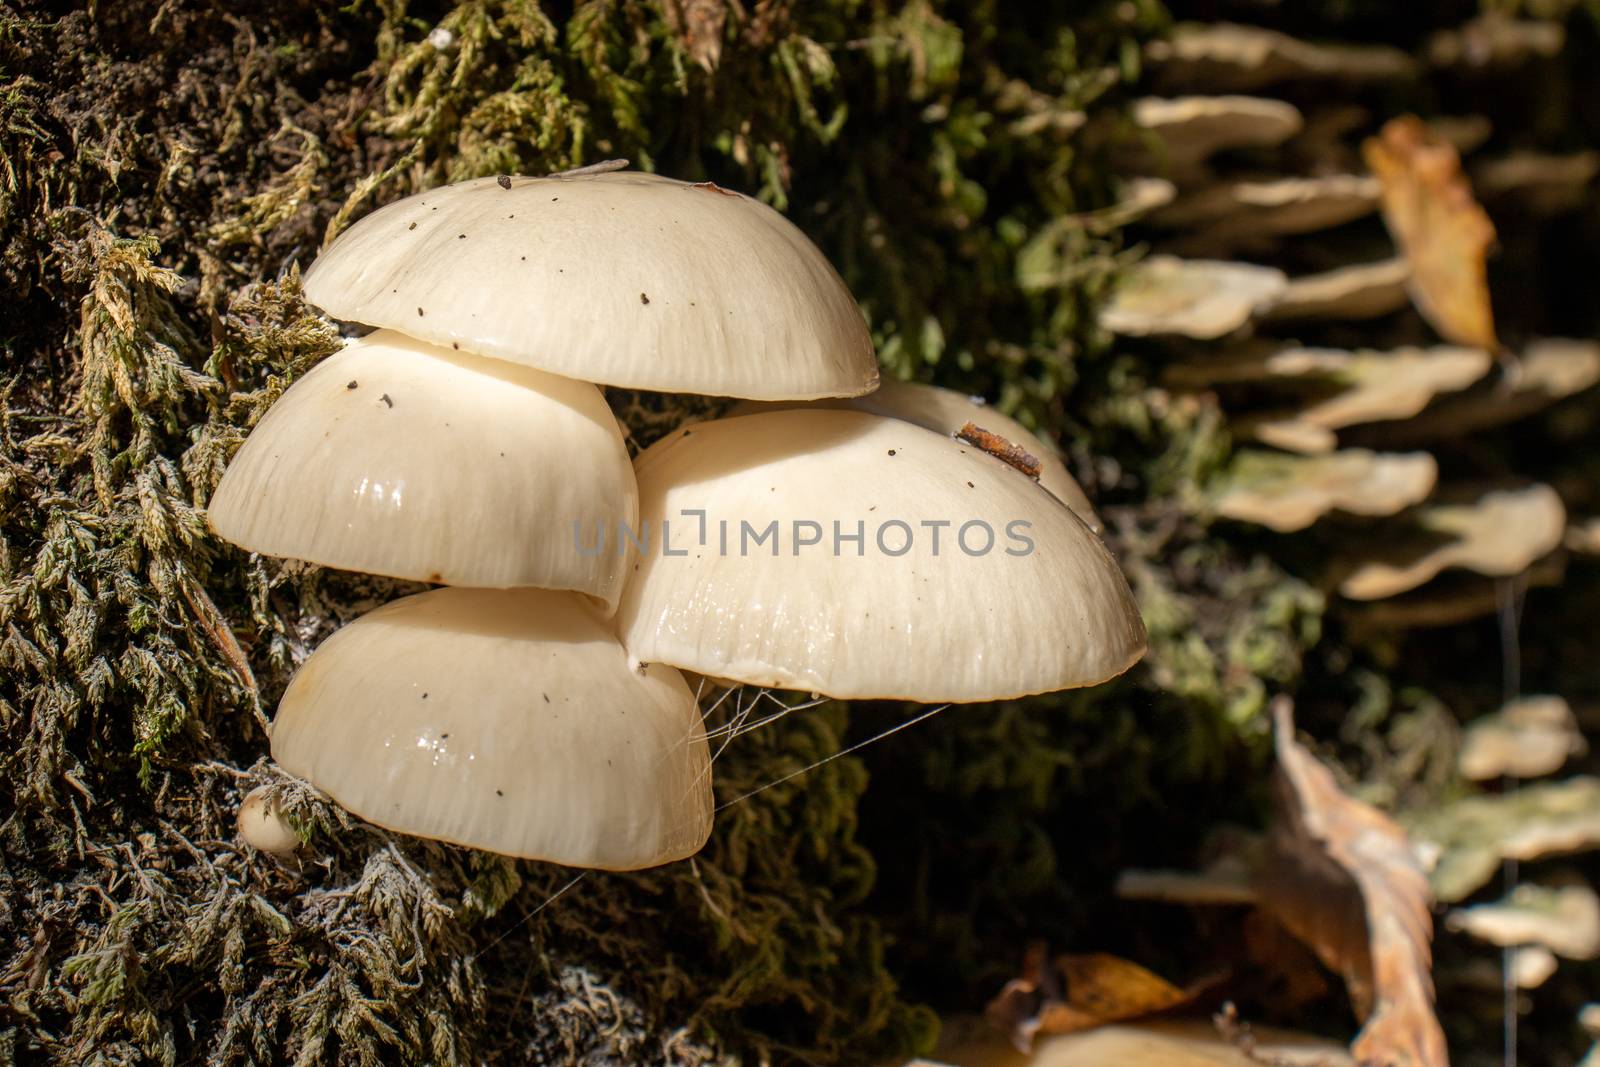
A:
[614,277]
[1367,387]
[1181,133]
[1203,299]
[1233,57]
[401,458]
[506,720]
[1529,737]
[1287,492]
[1359,291]
[865,557]
[947,411]
[1499,534]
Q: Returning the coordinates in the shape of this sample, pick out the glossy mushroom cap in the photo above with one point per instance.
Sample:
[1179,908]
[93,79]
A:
[396,457]
[262,827]
[947,411]
[1018,597]
[506,720]
[623,278]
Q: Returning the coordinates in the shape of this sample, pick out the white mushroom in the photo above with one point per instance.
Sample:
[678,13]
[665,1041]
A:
[622,278]
[262,825]
[400,458]
[947,411]
[859,556]
[510,721]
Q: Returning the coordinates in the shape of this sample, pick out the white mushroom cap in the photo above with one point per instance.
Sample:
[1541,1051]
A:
[506,720]
[948,412]
[262,826]
[622,278]
[964,622]
[396,457]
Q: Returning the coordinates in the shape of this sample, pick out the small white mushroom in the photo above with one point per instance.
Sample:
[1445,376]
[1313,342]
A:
[616,277]
[865,557]
[506,720]
[400,458]
[262,826]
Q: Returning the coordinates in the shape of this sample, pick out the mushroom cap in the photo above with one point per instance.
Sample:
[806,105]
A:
[506,720]
[965,621]
[396,457]
[622,278]
[946,411]
[262,826]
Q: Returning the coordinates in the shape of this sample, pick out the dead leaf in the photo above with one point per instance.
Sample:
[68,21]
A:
[1442,231]
[699,24]
[1079,993]
[1344,879]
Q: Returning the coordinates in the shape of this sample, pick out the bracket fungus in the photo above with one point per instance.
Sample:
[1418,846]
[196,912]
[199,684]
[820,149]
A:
[1359,291]
[1529,737]
[1235,57]
[1197,298]
[1187,130]
[506,720]
[865,557]
[946,411]
[614,277]
[1287,492]
[397,457]
[1499,534]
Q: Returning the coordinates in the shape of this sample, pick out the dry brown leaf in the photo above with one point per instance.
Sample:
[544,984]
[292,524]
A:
[1075,993]
[1442,231]
[699,24]
[1343,878]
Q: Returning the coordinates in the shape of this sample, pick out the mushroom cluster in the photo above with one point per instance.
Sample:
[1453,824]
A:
[909,545]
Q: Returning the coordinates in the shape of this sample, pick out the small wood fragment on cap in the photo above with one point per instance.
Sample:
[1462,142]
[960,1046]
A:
[1001,449]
